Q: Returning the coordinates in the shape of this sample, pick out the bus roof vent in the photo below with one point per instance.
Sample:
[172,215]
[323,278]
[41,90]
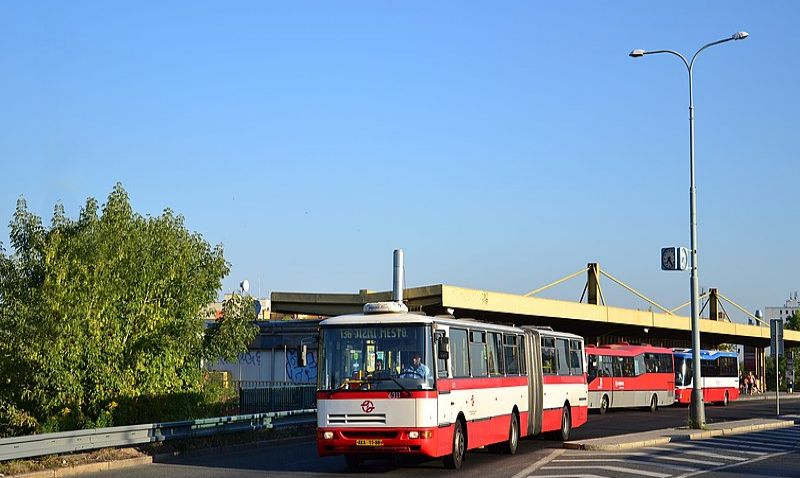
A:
[385,308]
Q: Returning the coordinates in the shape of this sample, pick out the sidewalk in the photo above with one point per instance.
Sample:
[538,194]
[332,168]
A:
[768,396]
[660,437]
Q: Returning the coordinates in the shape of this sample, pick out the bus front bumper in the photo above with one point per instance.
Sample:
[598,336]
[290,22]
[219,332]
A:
[382,441]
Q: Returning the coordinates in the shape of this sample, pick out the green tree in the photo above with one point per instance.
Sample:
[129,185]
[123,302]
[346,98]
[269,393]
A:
[793,322]
[104,314]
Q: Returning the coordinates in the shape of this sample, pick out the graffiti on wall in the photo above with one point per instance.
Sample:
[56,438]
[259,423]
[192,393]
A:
[298,374]
[252,357]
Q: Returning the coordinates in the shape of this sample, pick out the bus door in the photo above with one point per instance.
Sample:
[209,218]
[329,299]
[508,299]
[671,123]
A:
[618,397]
[445,403]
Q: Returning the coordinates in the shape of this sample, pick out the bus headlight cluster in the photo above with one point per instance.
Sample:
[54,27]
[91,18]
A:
[328,435]
[414,434]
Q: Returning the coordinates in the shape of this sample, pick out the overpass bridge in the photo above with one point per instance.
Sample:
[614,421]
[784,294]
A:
[594,320]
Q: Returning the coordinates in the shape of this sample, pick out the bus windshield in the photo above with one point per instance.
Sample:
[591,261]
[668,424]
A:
[376,357]
[683,371]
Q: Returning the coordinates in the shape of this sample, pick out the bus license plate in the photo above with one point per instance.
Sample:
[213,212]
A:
[369,442]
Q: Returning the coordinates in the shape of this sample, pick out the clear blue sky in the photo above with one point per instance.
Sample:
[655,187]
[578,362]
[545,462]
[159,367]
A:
[503,145]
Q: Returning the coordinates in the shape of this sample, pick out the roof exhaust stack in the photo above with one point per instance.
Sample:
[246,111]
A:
[396,305]
[397,284]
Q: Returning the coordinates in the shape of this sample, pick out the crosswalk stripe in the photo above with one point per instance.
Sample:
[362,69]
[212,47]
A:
[572,476]
[620,469]
[689,460]
[720,446]
[632,461]
[751,439]
[700,453]
[768,447]
[792,433]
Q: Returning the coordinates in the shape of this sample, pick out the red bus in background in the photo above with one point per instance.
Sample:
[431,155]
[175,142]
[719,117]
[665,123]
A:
[624,375]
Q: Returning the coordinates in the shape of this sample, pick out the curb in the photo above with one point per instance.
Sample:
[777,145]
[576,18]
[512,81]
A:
[146,460]
[89,467]
[617,446]
[672,435]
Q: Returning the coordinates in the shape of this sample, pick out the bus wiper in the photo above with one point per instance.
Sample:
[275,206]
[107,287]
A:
[383,379]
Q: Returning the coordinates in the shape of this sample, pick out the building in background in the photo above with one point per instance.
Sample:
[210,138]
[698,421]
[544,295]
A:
[273,355]
[785,311]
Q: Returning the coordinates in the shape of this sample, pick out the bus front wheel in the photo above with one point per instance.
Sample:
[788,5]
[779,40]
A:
[725,400]
[654,404]
[604,405]
[456,457]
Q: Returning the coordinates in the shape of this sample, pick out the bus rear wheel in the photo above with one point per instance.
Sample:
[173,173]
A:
[513,436]
[604,405]
[566,424]
[456,457]
[654,404]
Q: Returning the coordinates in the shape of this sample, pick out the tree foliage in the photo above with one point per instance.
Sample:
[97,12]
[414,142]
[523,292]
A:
[102,312]
[793,321]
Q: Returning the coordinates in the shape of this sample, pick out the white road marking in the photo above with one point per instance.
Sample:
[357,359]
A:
[632,461]
[620,469]
[720,446]
[700,453]
[572,476]
[527,471]
[731,465]
[768,448]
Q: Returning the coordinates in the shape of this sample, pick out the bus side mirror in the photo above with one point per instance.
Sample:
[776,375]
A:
[444,348]
[301,359]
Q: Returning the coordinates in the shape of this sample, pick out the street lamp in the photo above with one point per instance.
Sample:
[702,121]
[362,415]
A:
[697,414]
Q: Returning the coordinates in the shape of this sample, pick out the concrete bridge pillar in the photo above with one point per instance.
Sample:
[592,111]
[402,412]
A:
[713,304]
[593,284]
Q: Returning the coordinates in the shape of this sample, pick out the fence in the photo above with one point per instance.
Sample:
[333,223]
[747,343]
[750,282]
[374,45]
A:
[83,440]
[265,397]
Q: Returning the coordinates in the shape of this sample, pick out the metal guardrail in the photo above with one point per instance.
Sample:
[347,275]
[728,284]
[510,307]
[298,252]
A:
[83,440]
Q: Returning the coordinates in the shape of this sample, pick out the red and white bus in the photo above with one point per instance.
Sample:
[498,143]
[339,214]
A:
[624,375]
[474,384]
[720,376]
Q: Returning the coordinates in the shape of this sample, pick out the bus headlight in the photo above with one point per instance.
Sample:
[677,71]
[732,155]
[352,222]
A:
[328,435]
[413,434]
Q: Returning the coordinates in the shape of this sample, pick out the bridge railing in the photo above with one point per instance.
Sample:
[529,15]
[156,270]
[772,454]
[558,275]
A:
[83,440]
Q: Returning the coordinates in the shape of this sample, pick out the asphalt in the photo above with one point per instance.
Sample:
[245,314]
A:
[667,435]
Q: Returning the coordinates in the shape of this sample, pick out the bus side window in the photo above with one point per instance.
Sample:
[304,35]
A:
[594,367]
[548,355]
[575,355]
[495,349]
[639,367]
[521,355]
[511,354]
[477,353]
[562,354]
[665,363]
[459,358]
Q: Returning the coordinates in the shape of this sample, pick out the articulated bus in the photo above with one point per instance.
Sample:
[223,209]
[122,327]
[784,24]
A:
[623,375]
[720,375]
[393,382]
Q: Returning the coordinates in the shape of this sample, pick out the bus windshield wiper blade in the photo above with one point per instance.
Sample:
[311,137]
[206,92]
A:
[383,379]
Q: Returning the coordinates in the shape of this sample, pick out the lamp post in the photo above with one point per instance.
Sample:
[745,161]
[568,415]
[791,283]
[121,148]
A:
[697,413]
